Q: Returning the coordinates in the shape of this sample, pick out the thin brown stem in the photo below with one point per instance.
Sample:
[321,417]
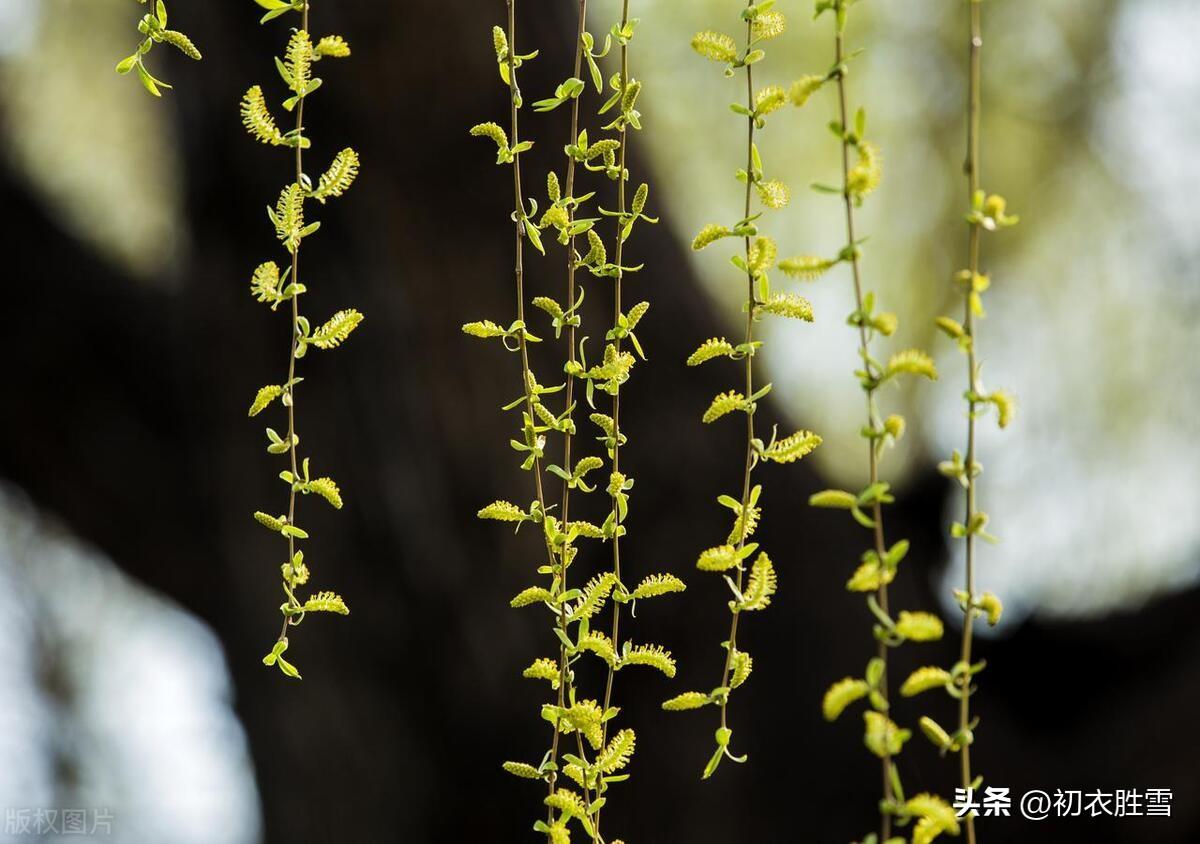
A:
[619,256]
[295,348]
[616,403]
[519,273]
[973,181]
[864,338]
[564,671]
[752,304]
[587,792]
[519,269]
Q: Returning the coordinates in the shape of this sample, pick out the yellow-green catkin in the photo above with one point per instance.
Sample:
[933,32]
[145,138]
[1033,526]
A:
[274,286]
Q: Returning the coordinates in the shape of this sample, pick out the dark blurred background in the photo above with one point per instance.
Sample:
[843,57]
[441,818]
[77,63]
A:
[139,596]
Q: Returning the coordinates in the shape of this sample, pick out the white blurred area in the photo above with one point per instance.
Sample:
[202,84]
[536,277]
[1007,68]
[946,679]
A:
[1090,117]
[112,700]
[1096,490]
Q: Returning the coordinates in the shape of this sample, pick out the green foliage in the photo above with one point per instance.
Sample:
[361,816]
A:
[986,213]
[546,418]
[751,590]
[275,657]
[861,174]
[153,28]
[269,286]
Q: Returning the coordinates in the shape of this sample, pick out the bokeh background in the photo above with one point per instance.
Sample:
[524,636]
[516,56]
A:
[137,596]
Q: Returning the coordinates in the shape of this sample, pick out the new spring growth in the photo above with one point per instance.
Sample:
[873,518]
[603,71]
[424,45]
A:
[153,27]
[861,174]
[577,612]
[986,213]
[609,156]
[746,568]
[273,286]
[566,712]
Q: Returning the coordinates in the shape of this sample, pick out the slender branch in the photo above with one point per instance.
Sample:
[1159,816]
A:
[587,792]
[752,304]
[872,412]
[758,257]
[519,270]
[564,671]
[972,172]
[616,404]
[622,178]
[519,273]
[295,348]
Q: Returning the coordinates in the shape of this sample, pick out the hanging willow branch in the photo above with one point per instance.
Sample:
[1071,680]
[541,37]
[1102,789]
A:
[861,175]
[566,714]
[751,591]
[272,287]
[614,371]
[987,213]
[562,211]
[574,609]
